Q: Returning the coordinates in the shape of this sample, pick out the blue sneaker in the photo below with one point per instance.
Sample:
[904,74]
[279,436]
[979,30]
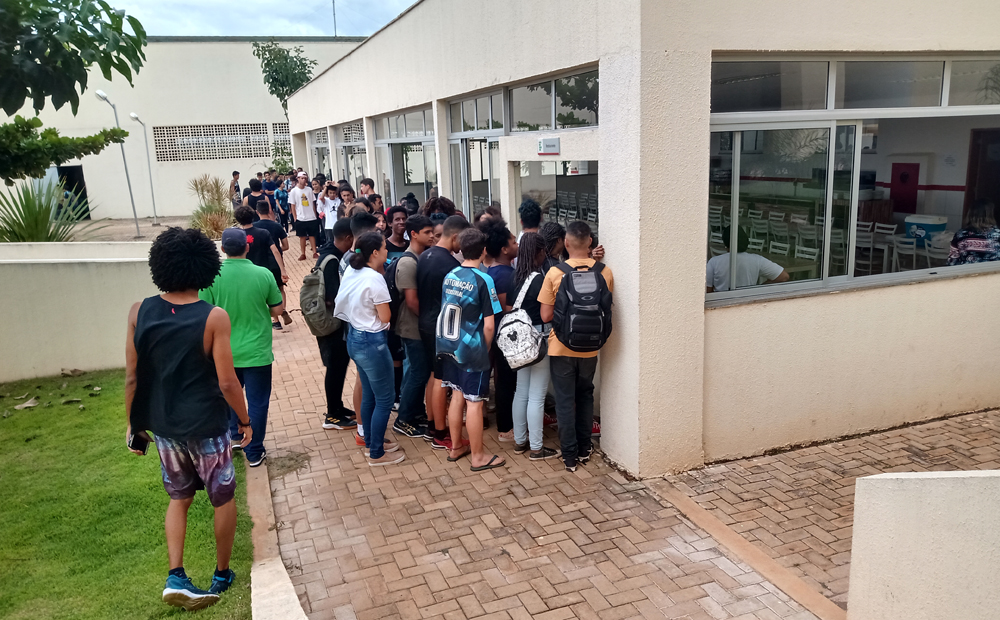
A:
[221,584]
[180,592]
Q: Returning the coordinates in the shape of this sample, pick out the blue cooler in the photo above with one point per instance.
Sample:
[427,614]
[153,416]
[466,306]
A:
[923,227]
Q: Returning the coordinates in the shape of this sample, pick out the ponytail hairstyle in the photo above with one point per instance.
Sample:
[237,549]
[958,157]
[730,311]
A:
[366,245]
[527,250]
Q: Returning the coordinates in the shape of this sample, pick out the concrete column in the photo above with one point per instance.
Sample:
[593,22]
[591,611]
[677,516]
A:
[300,150]
[654,175]
[439,110]
[371,164]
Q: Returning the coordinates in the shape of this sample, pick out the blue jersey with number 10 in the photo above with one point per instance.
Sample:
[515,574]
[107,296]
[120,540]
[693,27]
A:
[468,296]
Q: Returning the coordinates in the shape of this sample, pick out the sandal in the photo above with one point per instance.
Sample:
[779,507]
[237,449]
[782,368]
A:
[467,452]
[303,257]
[490,465]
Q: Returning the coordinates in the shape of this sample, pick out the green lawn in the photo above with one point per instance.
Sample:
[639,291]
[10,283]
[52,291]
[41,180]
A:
[81,518]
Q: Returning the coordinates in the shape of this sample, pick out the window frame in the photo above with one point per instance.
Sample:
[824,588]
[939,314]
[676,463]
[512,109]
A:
[554,106]
[479,133]
[424,110]
[836,117]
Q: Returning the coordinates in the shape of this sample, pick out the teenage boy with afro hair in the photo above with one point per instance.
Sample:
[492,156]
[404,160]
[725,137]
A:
[179,385]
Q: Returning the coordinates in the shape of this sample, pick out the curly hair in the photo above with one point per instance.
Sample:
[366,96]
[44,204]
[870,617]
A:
[552,233]
[183,259]
[497,235]
[438,205]
[244,214]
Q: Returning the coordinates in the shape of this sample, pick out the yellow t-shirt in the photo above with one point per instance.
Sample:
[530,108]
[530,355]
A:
[548,296]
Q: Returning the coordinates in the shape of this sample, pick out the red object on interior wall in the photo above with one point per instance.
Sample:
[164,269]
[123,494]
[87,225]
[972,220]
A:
[903,187]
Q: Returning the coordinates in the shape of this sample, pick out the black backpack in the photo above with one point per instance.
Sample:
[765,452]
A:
[582,314]
[395,295]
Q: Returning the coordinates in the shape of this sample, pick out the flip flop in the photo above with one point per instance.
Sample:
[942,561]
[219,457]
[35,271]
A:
[452,459]
[490,465]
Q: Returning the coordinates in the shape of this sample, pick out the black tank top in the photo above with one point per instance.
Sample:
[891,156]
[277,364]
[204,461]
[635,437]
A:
[177,392]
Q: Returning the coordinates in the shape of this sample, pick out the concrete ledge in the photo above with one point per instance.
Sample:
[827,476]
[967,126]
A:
[926,546]
[272,593]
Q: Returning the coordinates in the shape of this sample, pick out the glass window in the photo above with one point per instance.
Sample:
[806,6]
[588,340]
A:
[457,181]
[414,124]
[531,107]
[975,82]
[428,122]
[456,117]
[381,129]
[396,129]
[760,86]
[383,180]
[889,84]
[478,167]
[483,113]
[495,173]
[782,192]
[577,100]
[469,115]
[430,171]
[497,114]
[840,213]
[408,170]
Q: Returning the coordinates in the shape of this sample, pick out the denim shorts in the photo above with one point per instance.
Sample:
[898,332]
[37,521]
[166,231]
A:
[188,466]
[474,386]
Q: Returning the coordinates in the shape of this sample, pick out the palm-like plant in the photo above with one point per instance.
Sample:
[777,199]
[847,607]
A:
[42,212]
[213,214]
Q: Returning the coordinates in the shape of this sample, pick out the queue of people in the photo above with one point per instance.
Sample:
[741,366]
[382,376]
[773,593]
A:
[437,313]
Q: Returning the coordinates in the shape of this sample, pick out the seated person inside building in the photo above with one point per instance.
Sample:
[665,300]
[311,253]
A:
[750,268]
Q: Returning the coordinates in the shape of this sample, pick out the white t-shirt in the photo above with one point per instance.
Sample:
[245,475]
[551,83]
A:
[303,202]
[749,269]
[328,207]
[360,291]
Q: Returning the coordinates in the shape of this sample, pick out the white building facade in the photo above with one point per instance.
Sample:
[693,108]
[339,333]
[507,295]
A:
[848,142]
[206,110]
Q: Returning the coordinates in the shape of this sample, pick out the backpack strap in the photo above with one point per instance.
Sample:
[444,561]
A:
[524,290]
[322,265]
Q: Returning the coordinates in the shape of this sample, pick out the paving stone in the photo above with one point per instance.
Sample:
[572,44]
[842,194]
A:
[427,539]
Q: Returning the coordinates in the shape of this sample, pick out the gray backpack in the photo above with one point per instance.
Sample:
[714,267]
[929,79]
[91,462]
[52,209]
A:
[312,301]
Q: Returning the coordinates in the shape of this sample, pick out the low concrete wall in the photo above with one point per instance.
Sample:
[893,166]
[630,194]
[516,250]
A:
[74,250]
[926,547]
[67,313]
[814,368]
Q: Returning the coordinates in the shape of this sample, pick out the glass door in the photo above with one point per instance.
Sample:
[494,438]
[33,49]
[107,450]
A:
[477,169]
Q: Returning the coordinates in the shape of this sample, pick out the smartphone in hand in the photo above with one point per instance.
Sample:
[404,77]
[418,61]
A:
[138,443]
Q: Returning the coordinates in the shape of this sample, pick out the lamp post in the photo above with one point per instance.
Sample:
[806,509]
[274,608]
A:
[103,97]
[149,166]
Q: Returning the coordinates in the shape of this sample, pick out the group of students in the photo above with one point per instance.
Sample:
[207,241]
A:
[418,305]
[426,320]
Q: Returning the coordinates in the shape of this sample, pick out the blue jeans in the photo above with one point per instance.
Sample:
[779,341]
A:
[529,404]
[416,372]
[257,382]
[370,352]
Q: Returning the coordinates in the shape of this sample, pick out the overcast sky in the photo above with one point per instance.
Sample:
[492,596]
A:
[261,17]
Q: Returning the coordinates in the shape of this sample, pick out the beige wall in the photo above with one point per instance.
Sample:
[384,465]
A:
[926,546]
[668,361]
[183,82]
[799,370]
[74,251]
[67,313]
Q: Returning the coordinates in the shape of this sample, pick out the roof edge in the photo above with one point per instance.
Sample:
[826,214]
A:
[250,39]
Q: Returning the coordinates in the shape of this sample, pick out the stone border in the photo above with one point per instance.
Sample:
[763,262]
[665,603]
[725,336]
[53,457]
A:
[790,584]
[272,593]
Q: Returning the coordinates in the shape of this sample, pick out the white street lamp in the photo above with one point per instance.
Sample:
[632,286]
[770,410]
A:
[149,166]
[104,97]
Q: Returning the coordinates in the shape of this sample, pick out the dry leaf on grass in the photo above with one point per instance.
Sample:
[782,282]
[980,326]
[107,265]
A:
[22,397]
[31,403]
[82,407]
[72,372]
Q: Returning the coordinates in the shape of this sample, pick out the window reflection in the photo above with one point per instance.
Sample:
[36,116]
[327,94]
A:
[531,107]
[577,100]
[761,86]
[975,82]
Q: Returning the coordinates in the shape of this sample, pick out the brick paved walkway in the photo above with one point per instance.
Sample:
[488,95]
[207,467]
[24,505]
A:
[430,539]
[798,506]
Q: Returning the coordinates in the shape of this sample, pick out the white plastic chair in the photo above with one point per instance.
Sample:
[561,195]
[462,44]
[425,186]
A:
[776,216]
[779,248]
[863,255]
[811,254]
[715,209]
[756,245]
[758,229]
[807,232]
[903,246]
[798,219]
[715,221]
[820,220]
[865,227]
[716,238]
[779,232]
[755,214]
[838,252]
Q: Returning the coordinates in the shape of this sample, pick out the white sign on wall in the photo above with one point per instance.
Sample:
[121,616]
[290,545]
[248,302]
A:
[548,146]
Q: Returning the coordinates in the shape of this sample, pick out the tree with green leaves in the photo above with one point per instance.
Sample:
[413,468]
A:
[46,50]
[285,69]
